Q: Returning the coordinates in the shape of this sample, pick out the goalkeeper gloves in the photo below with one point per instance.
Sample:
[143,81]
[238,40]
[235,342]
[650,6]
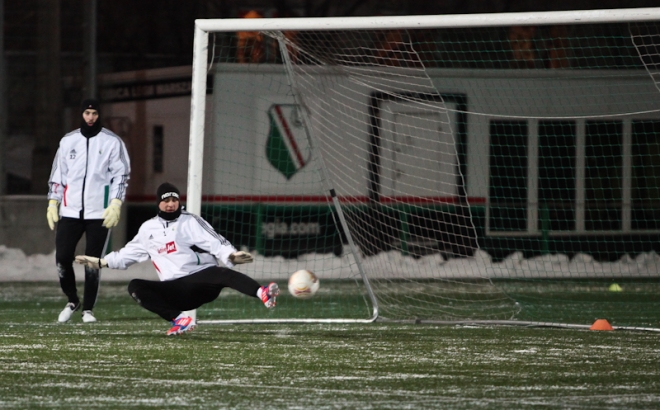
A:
[53,213]
[91,261]
[240,257]
[111,213]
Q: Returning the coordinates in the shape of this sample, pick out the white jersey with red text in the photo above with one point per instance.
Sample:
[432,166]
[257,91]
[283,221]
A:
[177,248]
[88,173]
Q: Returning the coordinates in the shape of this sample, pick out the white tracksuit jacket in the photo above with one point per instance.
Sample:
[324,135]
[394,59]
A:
[177,248]
[88,173]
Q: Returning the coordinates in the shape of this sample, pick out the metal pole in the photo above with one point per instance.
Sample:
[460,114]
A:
[3,103]
[90,28]
[48,119]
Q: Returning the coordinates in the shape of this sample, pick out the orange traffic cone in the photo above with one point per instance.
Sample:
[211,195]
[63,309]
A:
[601,324]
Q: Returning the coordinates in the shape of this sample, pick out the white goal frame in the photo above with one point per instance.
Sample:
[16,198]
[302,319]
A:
[203,27]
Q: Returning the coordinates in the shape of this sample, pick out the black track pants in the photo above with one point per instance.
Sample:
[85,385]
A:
[69,233]
[169,298]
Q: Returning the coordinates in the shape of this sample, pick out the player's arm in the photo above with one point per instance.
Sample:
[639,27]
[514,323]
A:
[120,170]
[91,262]
[207,239]
[134,252]
[55,191]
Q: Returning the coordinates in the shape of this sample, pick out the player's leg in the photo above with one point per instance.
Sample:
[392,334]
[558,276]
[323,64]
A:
[166,299]
[170,300]
[97,237]
[69,232]
[220,277]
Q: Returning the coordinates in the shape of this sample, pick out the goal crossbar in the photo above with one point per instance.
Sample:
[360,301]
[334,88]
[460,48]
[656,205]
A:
[429,21]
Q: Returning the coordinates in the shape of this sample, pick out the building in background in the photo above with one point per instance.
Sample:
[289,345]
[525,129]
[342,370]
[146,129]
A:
[144,74]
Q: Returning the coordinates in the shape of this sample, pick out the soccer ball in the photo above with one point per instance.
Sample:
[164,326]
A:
[303,284]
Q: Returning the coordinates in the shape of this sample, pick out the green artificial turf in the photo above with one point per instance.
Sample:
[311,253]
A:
[126,361]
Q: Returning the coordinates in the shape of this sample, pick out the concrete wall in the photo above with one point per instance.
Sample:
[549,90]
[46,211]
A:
[23,226]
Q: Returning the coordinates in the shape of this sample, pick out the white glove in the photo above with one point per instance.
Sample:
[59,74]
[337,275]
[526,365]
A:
[240,257]
[91,261]
[53,213]
[111,213]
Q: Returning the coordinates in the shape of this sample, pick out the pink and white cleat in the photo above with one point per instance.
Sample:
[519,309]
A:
[181,325]
[269,293]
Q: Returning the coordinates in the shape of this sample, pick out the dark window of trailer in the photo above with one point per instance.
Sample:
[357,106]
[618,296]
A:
[556,188]
[603,175]
[645,193]
[158,141]
[508,176]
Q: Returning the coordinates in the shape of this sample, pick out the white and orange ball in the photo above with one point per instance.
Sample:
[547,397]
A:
[303,284]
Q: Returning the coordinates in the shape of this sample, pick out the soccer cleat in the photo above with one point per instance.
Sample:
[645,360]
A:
[88,316]
[181,325]
[65,315]
[269,294]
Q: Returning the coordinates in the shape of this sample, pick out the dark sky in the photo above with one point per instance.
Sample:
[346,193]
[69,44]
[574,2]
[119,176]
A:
[155,33]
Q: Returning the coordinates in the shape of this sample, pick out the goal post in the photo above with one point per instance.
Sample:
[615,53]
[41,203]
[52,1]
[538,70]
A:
[493,168]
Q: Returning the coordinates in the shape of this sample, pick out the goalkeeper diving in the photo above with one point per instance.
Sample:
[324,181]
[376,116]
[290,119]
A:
[186,251]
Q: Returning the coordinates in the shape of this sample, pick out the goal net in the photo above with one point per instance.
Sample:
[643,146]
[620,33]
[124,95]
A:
[438,168]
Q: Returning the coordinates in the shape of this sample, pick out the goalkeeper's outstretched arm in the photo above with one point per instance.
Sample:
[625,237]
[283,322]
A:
[91,261]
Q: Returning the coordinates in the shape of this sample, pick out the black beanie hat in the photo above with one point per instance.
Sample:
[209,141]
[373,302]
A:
[85,129]
[166,190]
[92,104]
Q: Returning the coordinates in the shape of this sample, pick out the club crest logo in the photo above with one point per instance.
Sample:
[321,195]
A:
[287,147]
[72,154]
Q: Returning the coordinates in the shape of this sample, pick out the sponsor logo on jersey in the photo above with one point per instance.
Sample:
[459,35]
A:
[169,247]
[287,147]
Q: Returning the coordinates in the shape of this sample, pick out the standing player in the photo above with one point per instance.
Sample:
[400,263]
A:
[185,250]
[85,192]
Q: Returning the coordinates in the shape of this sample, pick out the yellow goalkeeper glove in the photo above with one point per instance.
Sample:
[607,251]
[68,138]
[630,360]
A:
[240,257]
[111,213]
[91,261]
[53,213]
